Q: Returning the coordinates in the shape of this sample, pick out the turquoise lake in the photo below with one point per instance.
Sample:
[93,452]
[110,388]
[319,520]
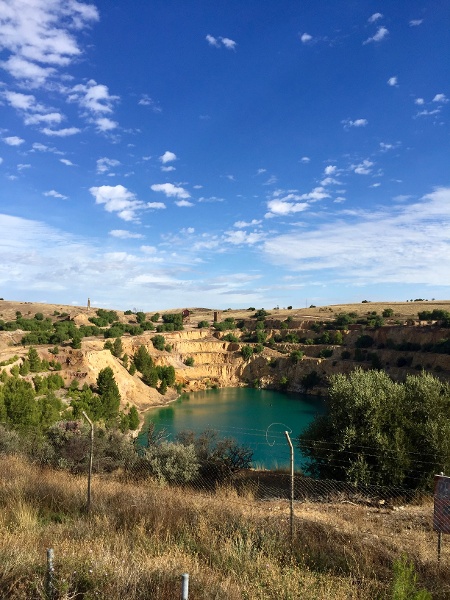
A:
[255,418]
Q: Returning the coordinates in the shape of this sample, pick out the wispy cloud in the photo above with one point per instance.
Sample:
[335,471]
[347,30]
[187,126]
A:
[244,224]
[217,42]
[440,98]
[380,35]
[375,17]
[125,235]
[393,81]
[170,190]
[104,165]
[415,22]
[363,168]
[13,140]
[60,132]
[400,244]
[306,38]
[356,123]
[55,194]
[145,100]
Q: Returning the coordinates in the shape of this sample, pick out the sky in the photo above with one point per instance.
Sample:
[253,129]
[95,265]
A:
[167,154]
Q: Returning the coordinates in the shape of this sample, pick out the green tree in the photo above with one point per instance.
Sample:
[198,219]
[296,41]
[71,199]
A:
[117,347]
[20,405]
[142,359]
[34,360]
[109,394]
[374,426]
[133,418]
[246,352]
[158,342]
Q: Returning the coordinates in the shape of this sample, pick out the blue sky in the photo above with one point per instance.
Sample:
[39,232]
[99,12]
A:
[243,153]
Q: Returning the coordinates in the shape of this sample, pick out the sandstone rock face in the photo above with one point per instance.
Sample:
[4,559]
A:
[219,363]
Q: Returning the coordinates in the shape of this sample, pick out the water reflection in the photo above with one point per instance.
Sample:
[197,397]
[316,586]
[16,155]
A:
[248,415]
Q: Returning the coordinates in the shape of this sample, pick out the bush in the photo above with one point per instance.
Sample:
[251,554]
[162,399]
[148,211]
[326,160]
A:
[325,353]
[158,342]
[246,352]
[171,462]
[229,337]
[296,356]
[387,313]
[202,324]
[364,341]
[189,361]
[368,436]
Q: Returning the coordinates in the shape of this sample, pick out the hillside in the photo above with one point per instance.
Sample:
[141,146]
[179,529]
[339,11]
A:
[322,341]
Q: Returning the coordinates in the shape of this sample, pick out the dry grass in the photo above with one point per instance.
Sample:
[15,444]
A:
[140,538]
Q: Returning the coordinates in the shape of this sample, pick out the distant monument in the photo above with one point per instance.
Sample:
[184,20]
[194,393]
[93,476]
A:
[89,303]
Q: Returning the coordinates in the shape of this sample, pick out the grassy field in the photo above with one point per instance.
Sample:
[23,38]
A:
[140,538]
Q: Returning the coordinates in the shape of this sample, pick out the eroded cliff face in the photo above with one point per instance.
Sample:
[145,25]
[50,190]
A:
[397,349]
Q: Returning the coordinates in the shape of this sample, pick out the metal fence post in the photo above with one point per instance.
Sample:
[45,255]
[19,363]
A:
[91,455]
[49,585]
[292,486]
[184,586]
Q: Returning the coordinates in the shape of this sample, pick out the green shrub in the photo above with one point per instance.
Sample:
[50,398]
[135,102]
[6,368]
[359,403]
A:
[189,361]
[170,462]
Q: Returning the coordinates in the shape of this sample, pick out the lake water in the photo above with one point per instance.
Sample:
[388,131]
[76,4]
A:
[255,418]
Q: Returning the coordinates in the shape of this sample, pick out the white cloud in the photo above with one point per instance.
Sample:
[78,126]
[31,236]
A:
[356,123]
[147,101]
[93,96]
[106,164]
[238,238]
[124,234]
[229,44]
[261,171]
[393,81]
[168,169]
[244,224]
[13,140]
[271,181]
[415,22]
[39,32]
[170,190]
[419,101]
[105,124]
[402,244]
[381,33]
[440,98]
[330,169]
[118,199]
[183,203]
[21,166]
[55,194]
[221,41]
[156,205]
[60,132]
[67,162]
[305,38]
[305,160]
[168,157]
[364,168]
[282,208]
[427,113]
[212,41]
[385,147]
[375,17]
